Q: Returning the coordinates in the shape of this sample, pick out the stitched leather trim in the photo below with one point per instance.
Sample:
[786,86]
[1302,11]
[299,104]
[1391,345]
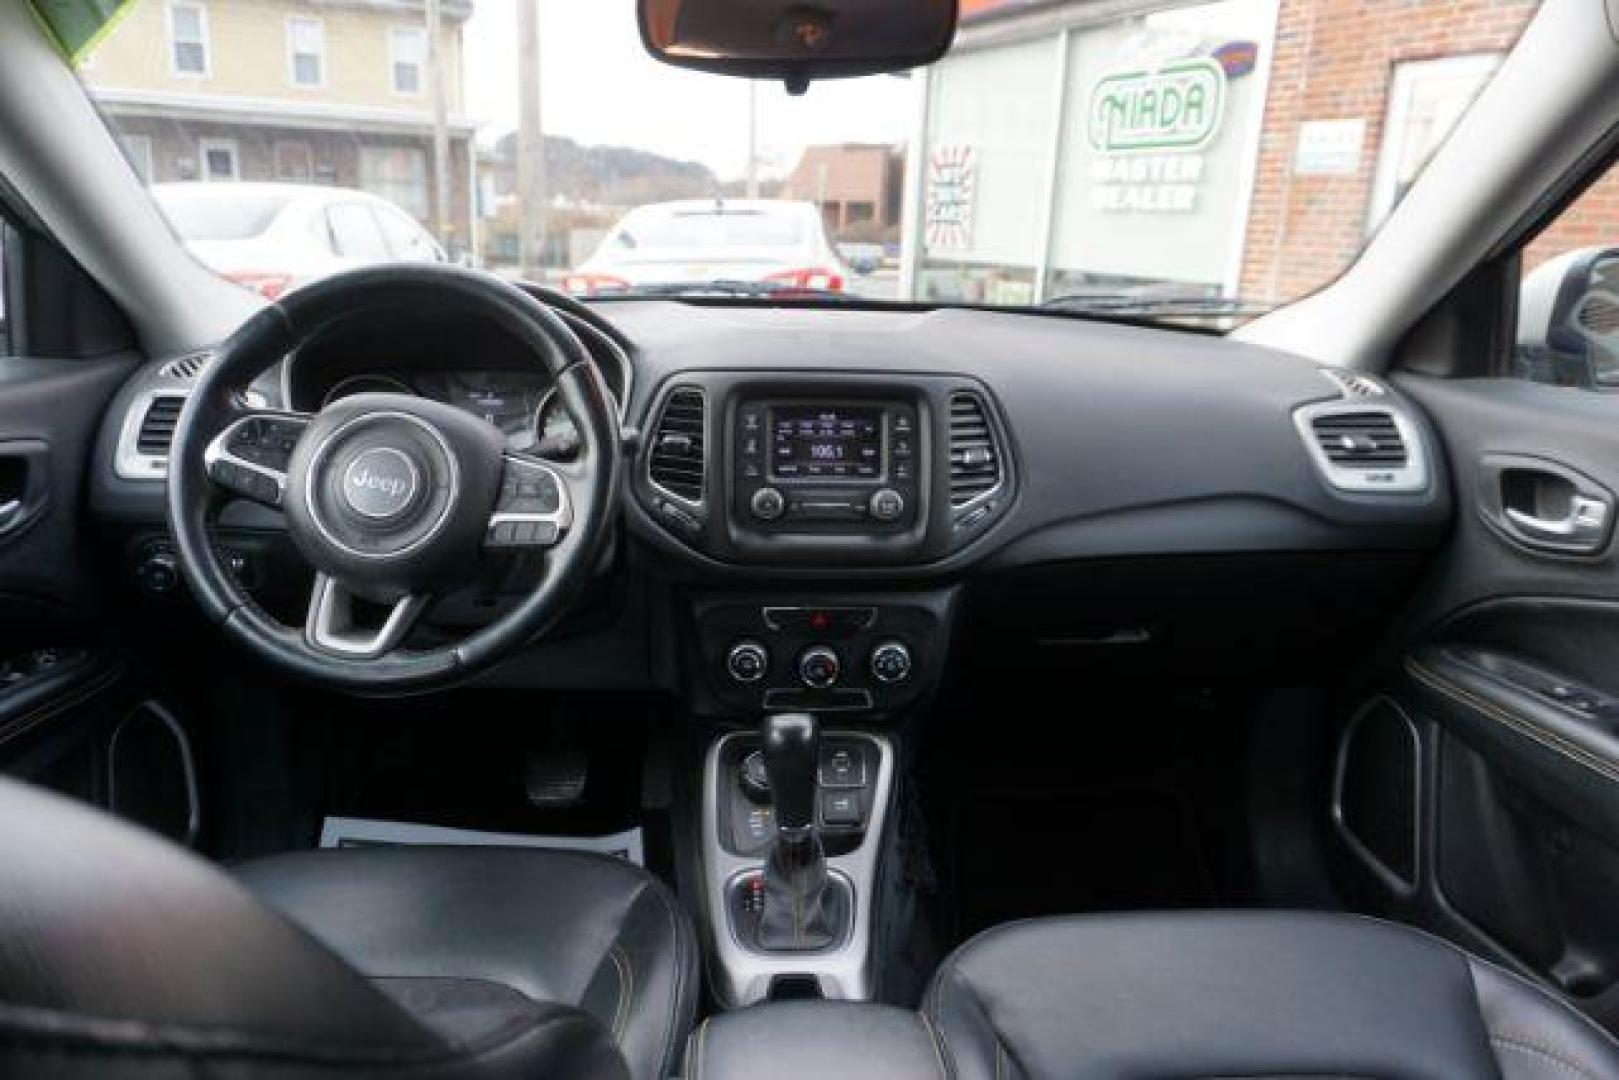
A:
[1532,1048]
[935,1038]
[626,988]
[1548,739]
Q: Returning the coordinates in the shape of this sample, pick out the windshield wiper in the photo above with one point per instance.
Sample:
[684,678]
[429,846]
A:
[1132,304]
[727,287]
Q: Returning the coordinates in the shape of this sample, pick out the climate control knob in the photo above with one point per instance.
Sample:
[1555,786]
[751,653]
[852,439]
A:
[819,667]
[891,662]
[767,504]
[886,504]
[747,661]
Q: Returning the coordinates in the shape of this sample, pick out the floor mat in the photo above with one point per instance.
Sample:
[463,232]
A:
[348,832]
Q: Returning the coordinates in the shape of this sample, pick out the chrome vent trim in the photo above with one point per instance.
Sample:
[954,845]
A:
[976,470]
[677,455]
[144,437]
[186,367]
[1364,448]
[1353,385]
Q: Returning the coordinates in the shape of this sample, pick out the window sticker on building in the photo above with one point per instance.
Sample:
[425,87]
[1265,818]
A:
[952,181]
[1177,107]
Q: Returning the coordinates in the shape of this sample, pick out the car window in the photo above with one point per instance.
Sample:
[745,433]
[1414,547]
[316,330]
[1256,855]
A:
[406,239]
[1175,160]
[200,216]
[355,233]
[1568,296]
[700,229]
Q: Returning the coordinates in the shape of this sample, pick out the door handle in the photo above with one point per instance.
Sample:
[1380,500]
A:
[1586,522]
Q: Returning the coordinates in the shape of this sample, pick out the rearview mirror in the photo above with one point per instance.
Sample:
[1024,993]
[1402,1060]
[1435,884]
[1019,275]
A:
[797,41]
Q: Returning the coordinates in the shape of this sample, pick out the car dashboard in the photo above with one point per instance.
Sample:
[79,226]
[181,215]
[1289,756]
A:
[819,500]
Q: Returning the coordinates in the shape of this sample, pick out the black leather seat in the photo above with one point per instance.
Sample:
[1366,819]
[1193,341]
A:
[583,930]
[1247,994]
[122,955]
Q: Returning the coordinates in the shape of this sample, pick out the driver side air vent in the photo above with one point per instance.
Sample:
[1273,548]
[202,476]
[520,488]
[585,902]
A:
[678,443]
[157,426]
[975,464]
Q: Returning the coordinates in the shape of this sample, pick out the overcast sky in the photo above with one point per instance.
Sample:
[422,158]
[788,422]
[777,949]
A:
[600,87]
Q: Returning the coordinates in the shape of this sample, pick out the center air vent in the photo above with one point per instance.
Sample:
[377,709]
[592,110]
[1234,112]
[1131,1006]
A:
[157,426]
[1361,439]
[677,445]
[975,463]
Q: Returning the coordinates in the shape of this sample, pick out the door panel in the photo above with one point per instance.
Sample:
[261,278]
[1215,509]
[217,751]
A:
[1509,672]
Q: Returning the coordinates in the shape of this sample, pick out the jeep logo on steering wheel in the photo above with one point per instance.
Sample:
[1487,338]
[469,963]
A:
[380,483]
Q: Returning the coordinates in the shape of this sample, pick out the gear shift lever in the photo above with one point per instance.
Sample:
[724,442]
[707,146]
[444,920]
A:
[792,759]
[800,911]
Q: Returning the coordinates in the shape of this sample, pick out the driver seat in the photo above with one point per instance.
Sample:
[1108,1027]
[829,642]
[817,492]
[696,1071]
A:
[123,955]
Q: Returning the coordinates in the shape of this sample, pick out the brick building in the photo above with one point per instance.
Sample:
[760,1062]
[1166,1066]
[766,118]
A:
[856,185]
[195,95]
[1320,113]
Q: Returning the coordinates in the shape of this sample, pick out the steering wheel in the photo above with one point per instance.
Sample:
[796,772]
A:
[393,499]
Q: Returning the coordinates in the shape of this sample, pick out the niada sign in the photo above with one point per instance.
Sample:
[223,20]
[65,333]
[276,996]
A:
[1177,107]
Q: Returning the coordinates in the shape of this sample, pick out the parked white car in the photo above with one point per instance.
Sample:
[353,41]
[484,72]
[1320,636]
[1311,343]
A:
[688,243]
[275,237]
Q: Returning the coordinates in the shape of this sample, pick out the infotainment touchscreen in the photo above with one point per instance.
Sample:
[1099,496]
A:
[834,442]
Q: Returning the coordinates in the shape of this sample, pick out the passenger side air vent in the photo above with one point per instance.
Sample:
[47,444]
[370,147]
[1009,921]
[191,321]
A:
[185,367]
[1360,439]
[678,442]
[1361,447]
[157,426]
[975,464]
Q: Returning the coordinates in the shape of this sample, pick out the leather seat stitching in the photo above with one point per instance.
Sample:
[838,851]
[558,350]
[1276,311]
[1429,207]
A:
[1550,740]
[626,988]
[683,948]
[934,1039]
[697,1058]
[1526,1045]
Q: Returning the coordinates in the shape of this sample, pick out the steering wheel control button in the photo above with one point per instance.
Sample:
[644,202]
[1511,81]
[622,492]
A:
[887,505]
[381,483]
[891,662]
[747,662]
[767,504]
[819,667]
[531,510]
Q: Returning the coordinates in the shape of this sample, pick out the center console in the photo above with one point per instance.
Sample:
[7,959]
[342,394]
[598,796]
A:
[757,837]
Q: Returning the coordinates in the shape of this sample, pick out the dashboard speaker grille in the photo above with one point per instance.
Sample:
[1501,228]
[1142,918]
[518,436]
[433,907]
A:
[678,445]
[1360,439]
[975,463]
[157,426]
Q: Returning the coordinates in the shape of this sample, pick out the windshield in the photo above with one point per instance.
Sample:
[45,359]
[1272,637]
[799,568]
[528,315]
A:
[212,218]
[1166,160]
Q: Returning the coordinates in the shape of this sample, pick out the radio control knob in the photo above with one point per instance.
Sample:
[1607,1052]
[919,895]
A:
[819,667]
[887,504]
[747,661]
[767,504]
[891,662]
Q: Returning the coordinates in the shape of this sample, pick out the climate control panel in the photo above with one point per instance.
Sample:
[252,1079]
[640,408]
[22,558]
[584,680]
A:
[847,656]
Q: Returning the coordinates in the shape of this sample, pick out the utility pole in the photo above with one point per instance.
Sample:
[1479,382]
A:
[753,138]
[530,144]
[443,227]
